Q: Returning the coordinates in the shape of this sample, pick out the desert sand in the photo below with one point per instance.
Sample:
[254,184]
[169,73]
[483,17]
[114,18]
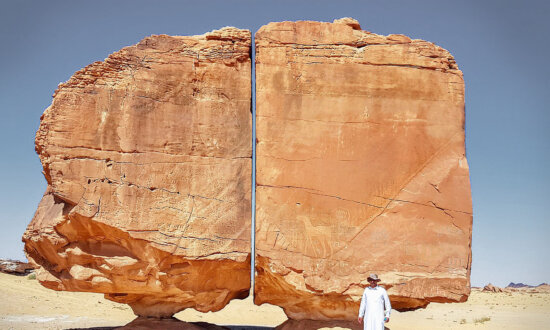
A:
[25,304]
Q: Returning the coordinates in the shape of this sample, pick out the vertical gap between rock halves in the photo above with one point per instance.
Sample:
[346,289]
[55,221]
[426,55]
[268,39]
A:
[253,202]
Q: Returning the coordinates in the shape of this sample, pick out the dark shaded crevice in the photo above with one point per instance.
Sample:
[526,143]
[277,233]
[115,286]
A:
[253,179]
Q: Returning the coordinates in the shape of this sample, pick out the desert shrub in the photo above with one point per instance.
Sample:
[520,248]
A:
[482,320]
[32,276]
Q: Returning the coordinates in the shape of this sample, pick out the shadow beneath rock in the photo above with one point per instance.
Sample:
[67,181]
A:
[248,327]
[314,325]
[92,328]
[144,323]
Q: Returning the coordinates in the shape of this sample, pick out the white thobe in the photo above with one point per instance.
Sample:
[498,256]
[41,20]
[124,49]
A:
[372,308]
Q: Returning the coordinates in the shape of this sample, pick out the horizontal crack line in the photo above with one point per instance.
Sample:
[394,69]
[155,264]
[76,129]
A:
[136,152]
[129,184]
[185,236]
[311,191]
[427,205]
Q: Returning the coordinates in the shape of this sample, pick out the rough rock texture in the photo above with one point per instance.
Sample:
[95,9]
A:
[491,288]
[361,169]
[147,156]
[15,267]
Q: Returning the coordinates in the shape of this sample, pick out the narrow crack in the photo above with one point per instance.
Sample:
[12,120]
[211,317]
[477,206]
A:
[367,122]
[282,187]
[311,191]
[190,215]
[133,152]
[184,236]
[417,203]
[129,184]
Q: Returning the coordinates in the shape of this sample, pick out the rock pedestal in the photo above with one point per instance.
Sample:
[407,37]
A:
[361,169]
[148,161]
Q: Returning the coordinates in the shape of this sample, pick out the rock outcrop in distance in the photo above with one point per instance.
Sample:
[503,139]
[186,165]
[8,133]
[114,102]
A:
[491,288]
[361,169]
[517,287]
[513,285]
[520,287]
[147,156]
[15,267]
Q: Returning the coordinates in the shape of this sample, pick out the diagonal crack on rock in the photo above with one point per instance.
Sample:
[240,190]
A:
[347,119]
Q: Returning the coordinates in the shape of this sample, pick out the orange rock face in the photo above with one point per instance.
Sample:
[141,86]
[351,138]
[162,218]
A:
[361,169]
[148,161]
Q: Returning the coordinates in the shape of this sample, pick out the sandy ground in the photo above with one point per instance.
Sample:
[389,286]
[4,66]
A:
[25,304]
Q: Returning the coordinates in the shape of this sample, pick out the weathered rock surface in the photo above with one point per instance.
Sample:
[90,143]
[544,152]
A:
[361,169]
[491,288]
[15,267]
[148,161]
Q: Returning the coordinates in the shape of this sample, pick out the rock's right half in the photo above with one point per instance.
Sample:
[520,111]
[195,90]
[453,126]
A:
[361,169]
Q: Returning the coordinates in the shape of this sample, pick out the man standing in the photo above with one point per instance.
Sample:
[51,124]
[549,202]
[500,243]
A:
[375,305]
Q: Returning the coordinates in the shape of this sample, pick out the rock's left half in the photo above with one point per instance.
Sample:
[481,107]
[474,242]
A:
[147,156]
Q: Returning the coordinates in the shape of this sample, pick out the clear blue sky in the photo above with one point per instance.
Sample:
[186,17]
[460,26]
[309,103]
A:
[501,46]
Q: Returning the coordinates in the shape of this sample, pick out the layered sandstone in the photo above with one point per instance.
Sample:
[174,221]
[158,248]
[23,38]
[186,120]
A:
[361,169]
[147,156]
[491,288]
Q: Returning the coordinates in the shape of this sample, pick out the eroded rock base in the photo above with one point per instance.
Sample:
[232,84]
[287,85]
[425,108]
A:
[147,156]
[77,253]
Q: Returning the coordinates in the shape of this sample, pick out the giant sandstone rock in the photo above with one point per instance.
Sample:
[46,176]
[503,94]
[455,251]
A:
[147,156]
[361,169]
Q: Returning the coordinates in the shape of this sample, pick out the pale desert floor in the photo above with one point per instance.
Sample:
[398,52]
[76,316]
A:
[25,304]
